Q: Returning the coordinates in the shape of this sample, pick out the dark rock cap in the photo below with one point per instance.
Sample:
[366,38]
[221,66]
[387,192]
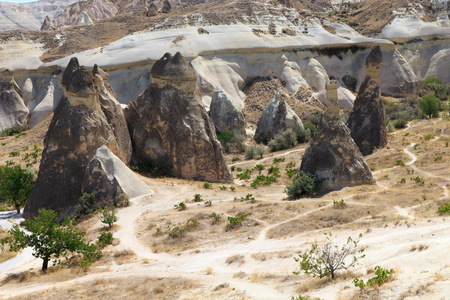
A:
[174,68]
[375,57]
[71,67]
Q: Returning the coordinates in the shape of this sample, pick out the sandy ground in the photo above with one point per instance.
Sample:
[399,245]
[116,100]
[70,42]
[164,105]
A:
[399,221]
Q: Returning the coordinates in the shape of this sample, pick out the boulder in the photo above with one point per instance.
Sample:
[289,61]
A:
[13,111]
[171,122]
[367,120]
[292,75]
[350,82]
[225,112]
[83,18]
[107,177]
[332,155]
[276,117]
[78,128]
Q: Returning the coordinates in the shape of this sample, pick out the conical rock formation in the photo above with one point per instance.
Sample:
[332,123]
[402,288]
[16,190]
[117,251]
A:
[332,155]
[78,128]
[13,111]
[226,113]
[169,120]
[367,121]
[276,117]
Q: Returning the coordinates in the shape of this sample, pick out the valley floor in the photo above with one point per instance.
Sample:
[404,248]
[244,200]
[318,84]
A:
[398,219]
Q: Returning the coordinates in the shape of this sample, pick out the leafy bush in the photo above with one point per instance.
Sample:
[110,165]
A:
[339,203]
[250,152]
[303,183]
[15,185]
[234,222]
[310,127]
[207,185]
[433,86]
[13,131]
[381,275]
[198,198]
[444,209]
[326,259]
[177,232]
[407,109]
[158,167]
[284,140]
[108,216]
[123,200]
[400,123]
[279,159]
[224,138]
[180,206]
[316,118]
[259,151]
[429,106]
[105,239]
[85,204]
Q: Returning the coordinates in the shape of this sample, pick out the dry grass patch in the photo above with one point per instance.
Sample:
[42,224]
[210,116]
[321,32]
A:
[124,256]
[325,218]
[130,287]
[235,259]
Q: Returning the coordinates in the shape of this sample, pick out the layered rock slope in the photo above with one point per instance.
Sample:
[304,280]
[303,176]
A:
[332,155]
[367,121]
[13,112]
[78,128]
[276,117]
[169,120]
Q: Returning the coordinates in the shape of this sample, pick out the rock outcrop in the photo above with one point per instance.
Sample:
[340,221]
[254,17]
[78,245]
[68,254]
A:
[367,121]
[225,113]
[332,155]
[47,24]
[276,117]
[107,177]
[166,7]
[78,128]
[169,120]
[13,111]
[152,10]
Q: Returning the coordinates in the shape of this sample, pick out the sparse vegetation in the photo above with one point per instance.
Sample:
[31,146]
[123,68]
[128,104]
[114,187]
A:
[326,259]
[444,209]
[180,206]
[105,239]
[381,275]
[234,222]
[429,106]
[108,216]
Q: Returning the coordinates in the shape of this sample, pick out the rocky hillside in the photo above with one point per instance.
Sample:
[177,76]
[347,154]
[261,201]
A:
[29,15]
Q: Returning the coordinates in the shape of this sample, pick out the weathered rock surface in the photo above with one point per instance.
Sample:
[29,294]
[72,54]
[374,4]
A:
[169,121]
[152,10]
[367,120]
[276,117]
[47,24]
[107,177]
[225,113]
[332,155]
[166,7]
[78,128]
[13,111]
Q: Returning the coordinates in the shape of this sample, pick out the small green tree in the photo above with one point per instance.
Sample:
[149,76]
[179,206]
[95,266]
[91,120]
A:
[50,239]
[324,260]
[108,216]
[429,106]
[15,185]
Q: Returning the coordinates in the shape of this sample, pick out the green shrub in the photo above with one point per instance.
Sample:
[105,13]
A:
[180,206]
[381,275]
[225,138]
[207,185]
[429,106]
[284,140]
[108,216]
[303,134]
[339,203]
[444,209]
[234,222]
[303,183]
[207,203]
[158,167]
[316,118]
[105,239]
[198,198]
[400,123]
[177,232]
[407,109]
[250,152]
[85,204]
[277,160]
[259,151]
[13,131]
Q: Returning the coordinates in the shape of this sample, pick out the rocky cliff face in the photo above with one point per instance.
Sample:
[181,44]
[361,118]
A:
[332,155]
[226,113]
[367,121]
[169,121]
[276,117]
[13,112]
[78,128]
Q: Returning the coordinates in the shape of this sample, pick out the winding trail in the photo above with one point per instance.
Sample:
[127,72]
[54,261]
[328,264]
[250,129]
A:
[192,265]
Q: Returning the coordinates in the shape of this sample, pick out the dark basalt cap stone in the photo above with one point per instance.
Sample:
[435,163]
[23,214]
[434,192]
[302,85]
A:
[173,68]
[81,83]
[375,57]
[71,67]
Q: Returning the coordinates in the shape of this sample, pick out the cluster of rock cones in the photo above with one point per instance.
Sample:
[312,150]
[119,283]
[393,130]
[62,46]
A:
[91,139]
